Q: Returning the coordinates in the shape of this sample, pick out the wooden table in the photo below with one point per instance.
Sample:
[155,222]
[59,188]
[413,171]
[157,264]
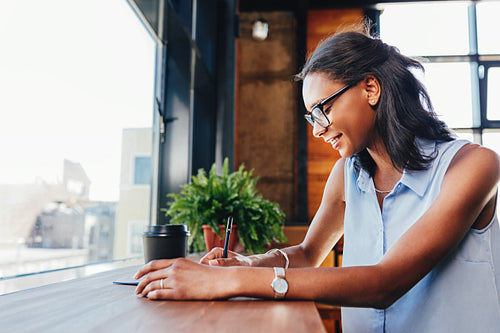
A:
[95,304]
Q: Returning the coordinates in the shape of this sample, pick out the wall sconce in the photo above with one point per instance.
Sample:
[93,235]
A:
[260,29]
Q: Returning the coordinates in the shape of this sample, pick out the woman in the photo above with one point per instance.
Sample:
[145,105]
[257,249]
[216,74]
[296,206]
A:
[415,205]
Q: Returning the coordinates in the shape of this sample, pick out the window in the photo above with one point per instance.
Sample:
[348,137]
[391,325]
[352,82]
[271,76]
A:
[441,29]
[142,171]
[461,52]
[75,76]
[452,105]
[487,17]
[493,107]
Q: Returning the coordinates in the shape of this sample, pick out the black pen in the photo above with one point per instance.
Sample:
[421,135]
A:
[228,234]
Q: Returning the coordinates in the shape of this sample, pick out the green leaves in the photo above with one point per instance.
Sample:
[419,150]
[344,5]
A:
[212,199]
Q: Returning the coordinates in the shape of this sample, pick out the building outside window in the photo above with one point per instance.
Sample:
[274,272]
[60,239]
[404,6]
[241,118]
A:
[135,246]
[75,75]
[133,207]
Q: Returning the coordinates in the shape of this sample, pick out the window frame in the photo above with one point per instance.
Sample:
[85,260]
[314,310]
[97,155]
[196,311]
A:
[480,64]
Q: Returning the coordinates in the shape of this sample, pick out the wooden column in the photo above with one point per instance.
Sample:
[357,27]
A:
[320,156]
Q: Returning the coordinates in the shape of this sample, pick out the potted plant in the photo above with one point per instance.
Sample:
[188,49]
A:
[211,199]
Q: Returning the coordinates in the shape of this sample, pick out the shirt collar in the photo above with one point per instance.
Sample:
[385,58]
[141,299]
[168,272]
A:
[417,181]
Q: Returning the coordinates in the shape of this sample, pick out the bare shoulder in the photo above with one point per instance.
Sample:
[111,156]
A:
[334,189]
[473,158]
[474,172]
[338,168]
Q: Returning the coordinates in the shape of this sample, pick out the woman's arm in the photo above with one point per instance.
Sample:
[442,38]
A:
[466,200]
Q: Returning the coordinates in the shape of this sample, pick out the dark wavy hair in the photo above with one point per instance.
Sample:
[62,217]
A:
[404,110]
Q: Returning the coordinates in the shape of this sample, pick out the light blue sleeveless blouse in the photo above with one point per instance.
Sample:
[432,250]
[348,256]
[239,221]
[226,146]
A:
[461,294]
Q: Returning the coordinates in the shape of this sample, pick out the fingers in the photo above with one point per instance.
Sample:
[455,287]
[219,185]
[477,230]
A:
[214,258]
[165,293]
[223,262]
[158,294]
[150,281]
[153,265]
[213,254]
[145,288]
[153,271]
[182,279]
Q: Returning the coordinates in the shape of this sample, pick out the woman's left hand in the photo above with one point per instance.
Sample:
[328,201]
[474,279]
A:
[181,279]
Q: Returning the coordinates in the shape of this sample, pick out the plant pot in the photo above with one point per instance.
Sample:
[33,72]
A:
[213,240]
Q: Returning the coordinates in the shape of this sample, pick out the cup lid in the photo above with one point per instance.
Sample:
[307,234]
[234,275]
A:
[166,230]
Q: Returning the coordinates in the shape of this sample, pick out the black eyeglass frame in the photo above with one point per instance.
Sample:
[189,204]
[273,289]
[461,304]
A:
[310,117]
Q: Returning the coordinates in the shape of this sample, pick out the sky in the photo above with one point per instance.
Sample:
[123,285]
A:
[73,74]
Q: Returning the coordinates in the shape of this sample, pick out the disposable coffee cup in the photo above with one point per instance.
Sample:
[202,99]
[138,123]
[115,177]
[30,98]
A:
[166,241]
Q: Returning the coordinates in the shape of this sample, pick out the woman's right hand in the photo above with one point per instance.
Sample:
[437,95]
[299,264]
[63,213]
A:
[214,258]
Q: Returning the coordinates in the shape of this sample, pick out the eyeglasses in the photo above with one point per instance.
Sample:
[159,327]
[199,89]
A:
[318,115]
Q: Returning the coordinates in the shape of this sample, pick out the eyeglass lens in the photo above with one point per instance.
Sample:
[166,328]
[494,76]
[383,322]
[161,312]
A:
[317,115]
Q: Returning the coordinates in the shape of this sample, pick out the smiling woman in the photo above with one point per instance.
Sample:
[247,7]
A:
[357,118]
[415,208]
[76,77]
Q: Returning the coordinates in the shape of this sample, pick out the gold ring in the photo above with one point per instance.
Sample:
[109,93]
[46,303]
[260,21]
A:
[161,283]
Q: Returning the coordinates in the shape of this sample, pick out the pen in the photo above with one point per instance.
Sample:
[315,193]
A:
[228,234]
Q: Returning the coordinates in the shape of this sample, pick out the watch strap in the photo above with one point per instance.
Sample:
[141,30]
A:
[279,279]
[279,272]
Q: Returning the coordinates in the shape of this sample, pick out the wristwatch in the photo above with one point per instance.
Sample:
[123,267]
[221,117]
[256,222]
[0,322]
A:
[279,284]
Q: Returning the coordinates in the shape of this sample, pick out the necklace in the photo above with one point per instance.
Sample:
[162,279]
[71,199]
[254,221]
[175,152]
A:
[383,192]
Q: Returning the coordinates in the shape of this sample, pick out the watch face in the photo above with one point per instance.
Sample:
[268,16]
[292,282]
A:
[280,286]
